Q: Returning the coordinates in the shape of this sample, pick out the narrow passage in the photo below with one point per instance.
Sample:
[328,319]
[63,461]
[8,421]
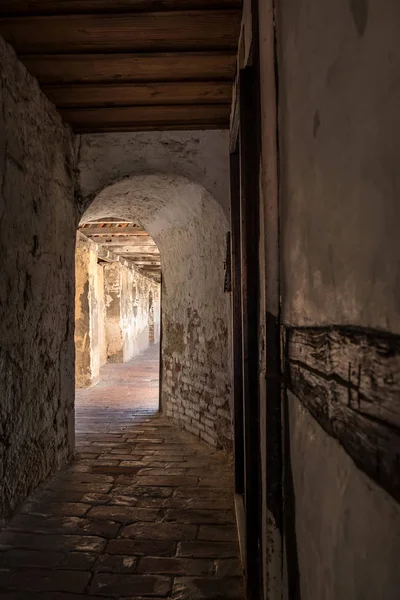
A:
[145,510]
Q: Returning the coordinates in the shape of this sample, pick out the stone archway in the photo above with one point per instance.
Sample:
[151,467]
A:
[189,228]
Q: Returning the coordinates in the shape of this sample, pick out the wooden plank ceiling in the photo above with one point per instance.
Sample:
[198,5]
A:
[126,240]
[129,65]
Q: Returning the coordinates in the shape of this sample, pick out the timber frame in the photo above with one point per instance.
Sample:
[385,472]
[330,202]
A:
[256,344]
[129,65]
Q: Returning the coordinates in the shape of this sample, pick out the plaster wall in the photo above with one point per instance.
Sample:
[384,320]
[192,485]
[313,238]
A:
[90,326]
[112,297]
[37,244]
[127,311]
[102,313]
[201,156]
[347,527]
[135,314]
[339,98]
[339,92]
[157,315]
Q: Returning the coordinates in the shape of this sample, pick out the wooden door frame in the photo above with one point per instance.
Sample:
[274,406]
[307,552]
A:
[250,158]
[266,513]
[236,274]
[245,338]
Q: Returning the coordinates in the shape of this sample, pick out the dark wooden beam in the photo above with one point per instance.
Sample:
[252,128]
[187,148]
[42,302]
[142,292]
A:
[151,260]
[184,126]
[124,68]
[113,231]
[146,244]
[151,117]
[131,94]
[126,246]
[150,268]
[52,7]
[142,259]
[348,379]
[132,253]
[107,220]
[155,32]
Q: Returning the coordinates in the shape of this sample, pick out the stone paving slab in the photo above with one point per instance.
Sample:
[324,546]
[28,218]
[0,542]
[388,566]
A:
[144,512]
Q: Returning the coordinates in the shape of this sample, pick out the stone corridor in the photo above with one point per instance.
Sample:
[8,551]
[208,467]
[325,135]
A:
[145,510]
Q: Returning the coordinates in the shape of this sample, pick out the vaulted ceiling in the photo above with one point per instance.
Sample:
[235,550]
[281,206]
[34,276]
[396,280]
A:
[126,65]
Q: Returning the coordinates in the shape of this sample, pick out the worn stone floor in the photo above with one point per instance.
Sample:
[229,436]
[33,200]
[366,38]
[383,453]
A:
[145,510]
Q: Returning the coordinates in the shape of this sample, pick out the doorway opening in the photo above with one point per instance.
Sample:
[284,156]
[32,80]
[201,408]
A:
[117,314]
[188,226]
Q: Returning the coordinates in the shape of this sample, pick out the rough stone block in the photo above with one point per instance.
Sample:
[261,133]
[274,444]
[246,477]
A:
[175,566]
[141,546]
[115,585]
[221,533]
[199,549]
[160,531]
[186,588]
[123,514]
[42,580]
[107,563]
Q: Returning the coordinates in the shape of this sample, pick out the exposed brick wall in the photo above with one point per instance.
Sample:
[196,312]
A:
[196,386]
[37,243]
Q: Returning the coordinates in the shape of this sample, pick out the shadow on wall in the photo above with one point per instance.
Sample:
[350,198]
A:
[189,228]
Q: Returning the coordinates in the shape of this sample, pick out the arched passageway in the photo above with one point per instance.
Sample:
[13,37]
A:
[189,228]
[146,509]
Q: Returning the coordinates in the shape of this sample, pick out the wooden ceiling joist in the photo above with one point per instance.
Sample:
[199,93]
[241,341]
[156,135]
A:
[141,243]
[139,94]
[152,258]
[51,7]
[144,263]
[107,221]
[125,234]
[132,249]
[142,32]
[153,268]
[114,231]
[129,65]
[131,68]
[156,117]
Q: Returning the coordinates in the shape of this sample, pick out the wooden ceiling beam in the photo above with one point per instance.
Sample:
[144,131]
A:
[130,68]
[142,264]
[131,94]
[113,231]
[35,7]
[155,268]
[127,127]
[134,250]
[151,258]
[154,117]
[131,241]
[155,32]
[107,220]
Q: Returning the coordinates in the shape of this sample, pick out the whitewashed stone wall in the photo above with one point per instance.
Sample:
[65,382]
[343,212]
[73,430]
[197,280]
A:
[89,318]
[37,245]
[127,319]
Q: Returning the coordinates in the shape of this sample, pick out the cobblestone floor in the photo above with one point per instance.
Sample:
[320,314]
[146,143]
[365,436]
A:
[146,510]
